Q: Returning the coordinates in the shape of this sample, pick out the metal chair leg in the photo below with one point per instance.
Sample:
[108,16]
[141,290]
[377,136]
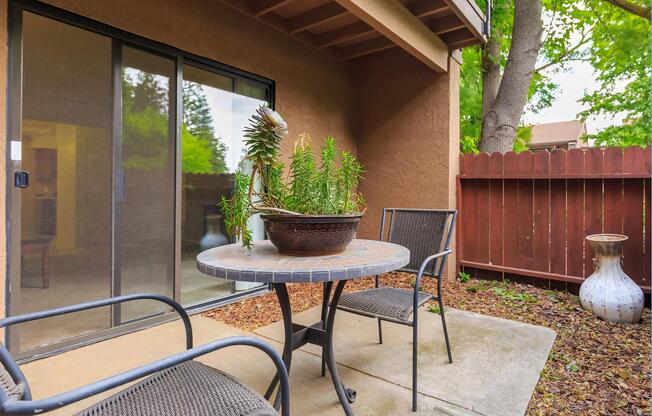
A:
[380,331]
[443,323]
[415,352]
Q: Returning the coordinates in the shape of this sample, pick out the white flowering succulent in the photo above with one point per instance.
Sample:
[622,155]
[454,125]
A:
[276,119]
[263,137]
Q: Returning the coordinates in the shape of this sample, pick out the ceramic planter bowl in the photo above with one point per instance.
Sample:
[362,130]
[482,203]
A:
[311,235]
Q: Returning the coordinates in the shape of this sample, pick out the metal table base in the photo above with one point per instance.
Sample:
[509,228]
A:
[319,333]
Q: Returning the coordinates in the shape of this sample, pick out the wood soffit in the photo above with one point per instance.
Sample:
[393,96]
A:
[341,29]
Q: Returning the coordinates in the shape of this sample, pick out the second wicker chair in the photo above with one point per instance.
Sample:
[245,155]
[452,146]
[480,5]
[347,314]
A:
[427,234]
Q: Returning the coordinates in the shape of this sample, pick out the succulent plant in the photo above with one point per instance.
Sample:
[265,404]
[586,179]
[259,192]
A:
[263,139]
[305,188]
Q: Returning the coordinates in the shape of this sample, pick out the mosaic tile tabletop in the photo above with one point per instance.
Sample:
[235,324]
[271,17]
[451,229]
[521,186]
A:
[360,259]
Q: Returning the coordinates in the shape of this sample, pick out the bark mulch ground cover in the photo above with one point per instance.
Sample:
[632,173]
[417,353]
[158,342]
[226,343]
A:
[594,368]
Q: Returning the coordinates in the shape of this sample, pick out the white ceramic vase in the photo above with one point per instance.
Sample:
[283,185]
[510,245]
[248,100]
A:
[609,292]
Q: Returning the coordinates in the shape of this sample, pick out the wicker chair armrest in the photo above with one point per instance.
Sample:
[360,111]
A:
[431,258]
[417,283]
[15,407]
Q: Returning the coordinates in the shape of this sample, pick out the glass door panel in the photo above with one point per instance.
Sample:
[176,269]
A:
[96,120]
[66,147]
[214,117]
[146,181]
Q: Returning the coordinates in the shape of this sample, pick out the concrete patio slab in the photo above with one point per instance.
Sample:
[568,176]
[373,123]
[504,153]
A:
[311,394]
[496,362]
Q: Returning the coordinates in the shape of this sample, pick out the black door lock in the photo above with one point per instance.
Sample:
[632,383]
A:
[21,179]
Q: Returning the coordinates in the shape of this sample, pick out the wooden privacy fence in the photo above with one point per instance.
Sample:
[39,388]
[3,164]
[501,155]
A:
[527,214]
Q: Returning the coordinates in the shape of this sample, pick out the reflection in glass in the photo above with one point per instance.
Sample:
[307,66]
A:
[145,192]
[66,210]
[213,149]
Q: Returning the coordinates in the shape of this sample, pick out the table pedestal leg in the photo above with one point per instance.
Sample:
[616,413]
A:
[345,395]
[286,310]
[326,295]
[320,333]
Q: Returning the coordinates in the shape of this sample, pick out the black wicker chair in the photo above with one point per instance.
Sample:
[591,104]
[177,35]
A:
[427,234]
[175,386]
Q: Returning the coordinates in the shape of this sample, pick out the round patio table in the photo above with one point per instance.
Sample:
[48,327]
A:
[265,265]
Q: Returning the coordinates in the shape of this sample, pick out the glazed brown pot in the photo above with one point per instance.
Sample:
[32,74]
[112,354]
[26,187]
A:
[311,235]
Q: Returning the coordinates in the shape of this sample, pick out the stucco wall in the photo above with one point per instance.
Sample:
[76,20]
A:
[404,133]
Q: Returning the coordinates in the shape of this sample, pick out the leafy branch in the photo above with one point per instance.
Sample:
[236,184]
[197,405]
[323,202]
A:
[568,54]
[632,7]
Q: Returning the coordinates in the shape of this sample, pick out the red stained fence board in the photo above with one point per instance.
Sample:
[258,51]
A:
[633,219]
[496,222]
[527,214]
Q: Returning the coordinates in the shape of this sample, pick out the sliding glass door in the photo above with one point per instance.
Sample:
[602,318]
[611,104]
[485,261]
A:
[145,176]
[214,116]
[120,153]
[65,220]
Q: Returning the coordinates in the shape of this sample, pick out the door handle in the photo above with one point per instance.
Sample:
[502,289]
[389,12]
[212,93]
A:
[21,179]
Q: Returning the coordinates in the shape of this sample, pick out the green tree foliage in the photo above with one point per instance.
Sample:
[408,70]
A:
[198,154]
[470,100]
[146,135]
[616,43]
[198,121]
[523,138]
[145,131]
[620,54]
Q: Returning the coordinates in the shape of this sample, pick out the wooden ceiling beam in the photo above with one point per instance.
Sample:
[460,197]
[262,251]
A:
[446,25]
[463,43]
[425,8]
[343,34]
[241,5]
[457,36]
[470,14]
[379,57]
[366,48]
[315,17]
[398,24]
[277,22]
[262,7]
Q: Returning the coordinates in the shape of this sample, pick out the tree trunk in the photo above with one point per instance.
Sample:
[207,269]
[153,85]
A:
[490,72]
[500,122]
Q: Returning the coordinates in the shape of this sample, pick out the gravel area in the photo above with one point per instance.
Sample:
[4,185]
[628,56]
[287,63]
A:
[594,368]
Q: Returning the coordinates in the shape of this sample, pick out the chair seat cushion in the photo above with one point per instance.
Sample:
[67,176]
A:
[383,301]
[188,389]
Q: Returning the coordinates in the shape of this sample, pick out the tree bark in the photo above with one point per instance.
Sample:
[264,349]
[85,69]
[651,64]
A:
[500,122]
[491,72]
[631,7]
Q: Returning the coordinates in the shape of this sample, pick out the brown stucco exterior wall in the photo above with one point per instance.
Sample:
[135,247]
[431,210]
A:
[407,114]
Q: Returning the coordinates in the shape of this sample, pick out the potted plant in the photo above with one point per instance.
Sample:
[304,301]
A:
[309,209]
